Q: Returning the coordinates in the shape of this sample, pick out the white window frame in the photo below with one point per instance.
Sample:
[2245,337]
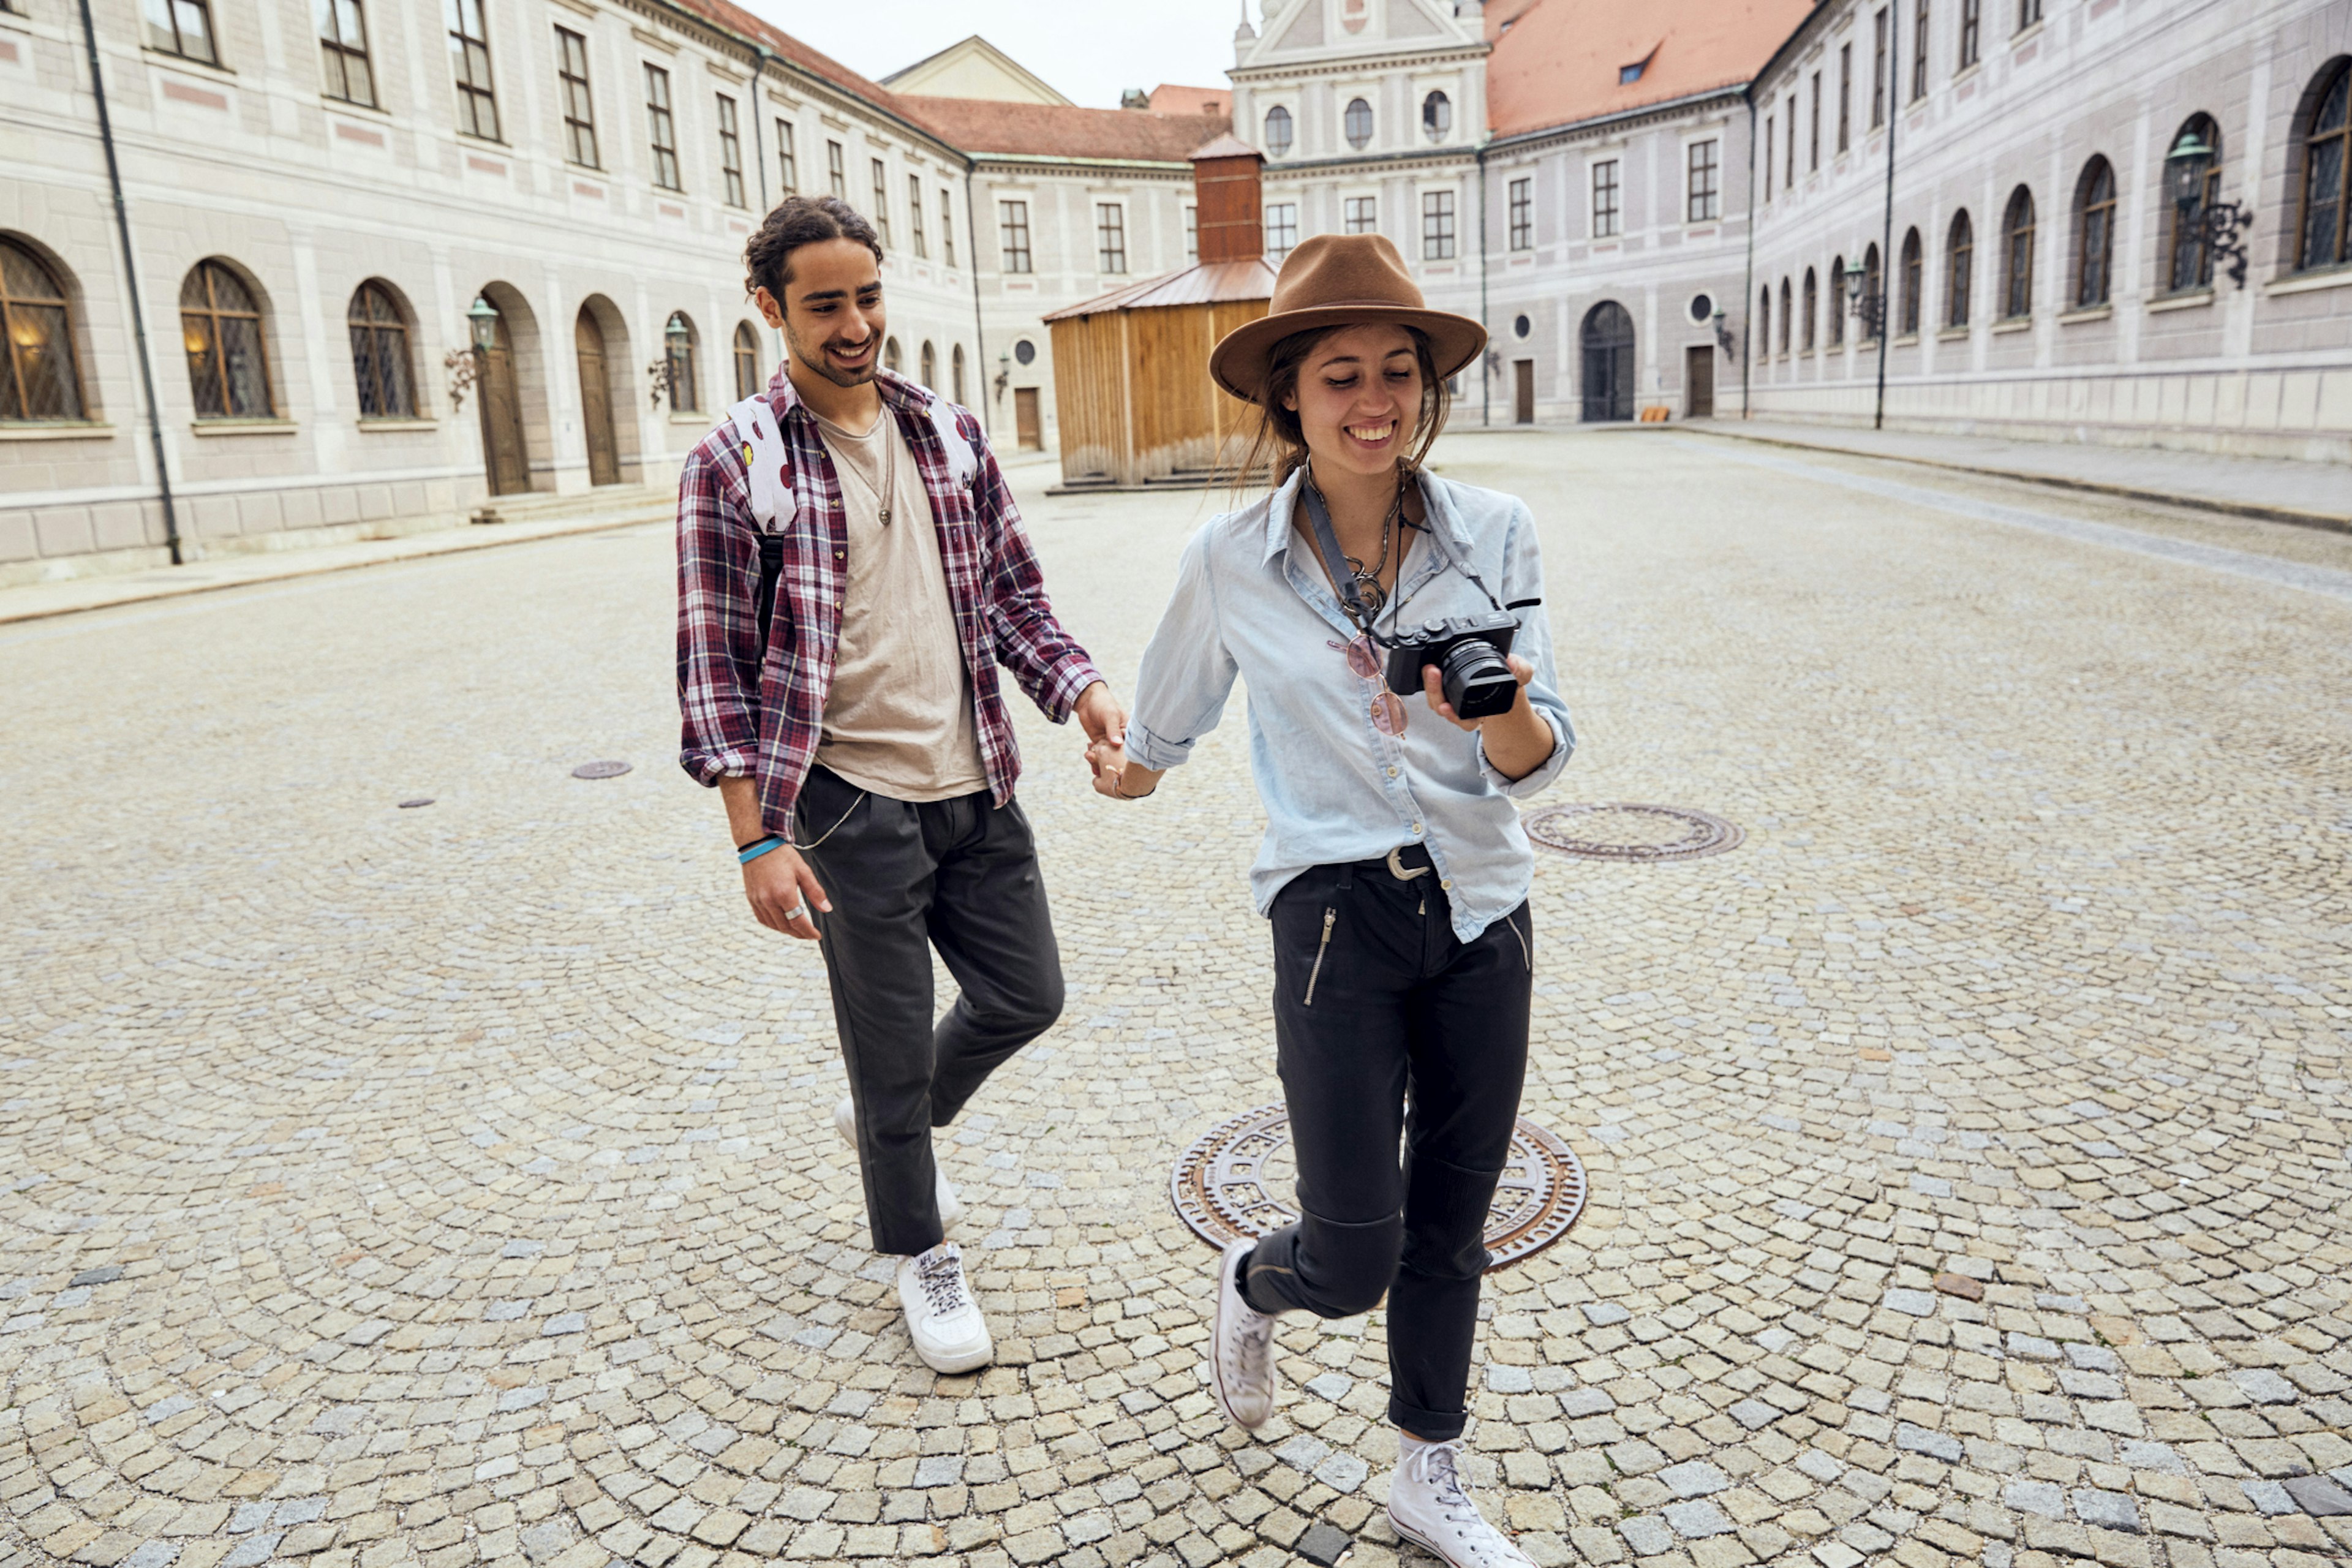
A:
[1616,163]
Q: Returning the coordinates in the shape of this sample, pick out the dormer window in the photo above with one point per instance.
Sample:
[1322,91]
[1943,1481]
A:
[1626,75]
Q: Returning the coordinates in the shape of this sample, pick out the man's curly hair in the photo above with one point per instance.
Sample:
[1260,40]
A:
[794,222]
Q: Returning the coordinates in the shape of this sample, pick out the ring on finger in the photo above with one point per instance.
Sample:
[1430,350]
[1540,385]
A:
[797,911]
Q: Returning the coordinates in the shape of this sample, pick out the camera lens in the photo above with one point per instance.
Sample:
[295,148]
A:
[1476,681]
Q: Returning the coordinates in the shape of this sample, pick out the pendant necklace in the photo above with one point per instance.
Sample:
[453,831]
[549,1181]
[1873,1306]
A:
[1368,579]
[890,489]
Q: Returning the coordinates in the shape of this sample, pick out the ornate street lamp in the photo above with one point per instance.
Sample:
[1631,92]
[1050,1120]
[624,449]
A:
[1862,302]
[1003,372]
[468,366]
[1724,339]
[678,342]
[2214,225]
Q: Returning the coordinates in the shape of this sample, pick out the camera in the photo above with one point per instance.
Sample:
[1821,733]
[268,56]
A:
[1468,652]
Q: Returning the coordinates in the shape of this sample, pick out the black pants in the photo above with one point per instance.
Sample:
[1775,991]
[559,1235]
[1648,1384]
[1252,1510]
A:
[1408,1035]
[958,875]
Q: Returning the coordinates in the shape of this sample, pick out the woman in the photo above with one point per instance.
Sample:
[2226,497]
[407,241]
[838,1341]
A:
[1393,868]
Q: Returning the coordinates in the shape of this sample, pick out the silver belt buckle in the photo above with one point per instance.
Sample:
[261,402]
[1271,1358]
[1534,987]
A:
[1400,870]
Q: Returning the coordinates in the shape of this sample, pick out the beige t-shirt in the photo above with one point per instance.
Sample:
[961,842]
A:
[899,720]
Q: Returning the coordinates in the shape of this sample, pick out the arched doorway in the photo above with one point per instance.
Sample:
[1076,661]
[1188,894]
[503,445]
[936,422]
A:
[1608,340]
[596,400]
[498,397]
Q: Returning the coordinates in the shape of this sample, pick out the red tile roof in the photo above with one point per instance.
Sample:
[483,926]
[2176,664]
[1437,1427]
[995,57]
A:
[1053,129]
[1167,99]
[1558,61]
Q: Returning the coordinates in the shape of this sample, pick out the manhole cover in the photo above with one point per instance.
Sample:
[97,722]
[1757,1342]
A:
[412,805]
[1627,832]
[600,770]
[1225,1187]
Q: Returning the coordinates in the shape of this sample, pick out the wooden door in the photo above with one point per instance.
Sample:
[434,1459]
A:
[1522,392]
[1029,429]
[501,402]
[596,401]
[1698,381]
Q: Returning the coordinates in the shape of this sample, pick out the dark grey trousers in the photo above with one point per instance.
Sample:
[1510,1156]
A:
[957,875]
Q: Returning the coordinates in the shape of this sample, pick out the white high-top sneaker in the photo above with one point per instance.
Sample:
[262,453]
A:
[1241,1351]
[1428,1507]
[845,1121]
[942,1319]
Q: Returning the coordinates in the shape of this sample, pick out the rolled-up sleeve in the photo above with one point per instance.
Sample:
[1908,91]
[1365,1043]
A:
[1523,578]
[1188,672]
[718,630]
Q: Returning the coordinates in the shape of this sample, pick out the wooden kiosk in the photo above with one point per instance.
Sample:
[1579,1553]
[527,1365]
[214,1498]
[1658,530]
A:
[1132,386]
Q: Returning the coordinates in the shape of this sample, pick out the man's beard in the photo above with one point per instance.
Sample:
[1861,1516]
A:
[823,367]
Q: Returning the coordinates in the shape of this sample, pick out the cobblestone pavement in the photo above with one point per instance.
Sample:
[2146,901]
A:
[454,1183]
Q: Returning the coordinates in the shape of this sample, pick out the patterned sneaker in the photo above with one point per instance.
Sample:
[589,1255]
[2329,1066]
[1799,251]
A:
[1428,1507]
[845,1121]
[942,1319]
[1241,1351]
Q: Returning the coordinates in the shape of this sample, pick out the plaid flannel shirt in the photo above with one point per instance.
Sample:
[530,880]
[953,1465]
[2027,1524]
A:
[746,716]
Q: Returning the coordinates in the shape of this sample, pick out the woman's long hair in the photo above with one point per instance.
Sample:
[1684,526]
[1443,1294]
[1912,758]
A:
[1279,448]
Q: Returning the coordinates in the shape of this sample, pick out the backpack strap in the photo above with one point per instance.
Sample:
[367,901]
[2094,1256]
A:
[963,457]
[767,472]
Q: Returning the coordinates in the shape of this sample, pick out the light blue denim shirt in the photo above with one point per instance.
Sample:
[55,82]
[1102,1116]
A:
[1252,600]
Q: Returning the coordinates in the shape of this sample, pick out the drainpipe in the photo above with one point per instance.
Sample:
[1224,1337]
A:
[979,329]
[1747,334]
[759,134]
[131,278]
[1486,357]
[1885,239]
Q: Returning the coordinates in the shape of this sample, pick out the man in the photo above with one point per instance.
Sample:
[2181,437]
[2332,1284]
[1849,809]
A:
[862,746]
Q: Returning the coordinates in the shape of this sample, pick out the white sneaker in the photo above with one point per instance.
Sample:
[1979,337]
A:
[1241,1351]
[942,1319]
[1428,1507]
[845,1121]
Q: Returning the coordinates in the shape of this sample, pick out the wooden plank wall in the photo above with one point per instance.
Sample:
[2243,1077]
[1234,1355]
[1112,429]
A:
[1133,394]
[1089,396]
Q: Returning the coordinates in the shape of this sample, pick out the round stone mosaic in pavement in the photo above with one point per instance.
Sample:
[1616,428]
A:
[1626,832]
[1233,1182]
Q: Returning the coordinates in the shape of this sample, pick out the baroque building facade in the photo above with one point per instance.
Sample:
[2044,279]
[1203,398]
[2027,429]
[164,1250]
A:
[399,265]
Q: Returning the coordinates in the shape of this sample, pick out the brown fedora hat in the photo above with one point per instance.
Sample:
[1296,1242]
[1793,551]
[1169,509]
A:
[1339,281]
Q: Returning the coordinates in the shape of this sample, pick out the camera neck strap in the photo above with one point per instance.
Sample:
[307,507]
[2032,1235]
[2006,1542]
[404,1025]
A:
[1343,575]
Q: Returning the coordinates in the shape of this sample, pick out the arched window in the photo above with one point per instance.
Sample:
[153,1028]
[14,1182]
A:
[2192,181]
[1788,313]
[1436,117]
[379,357]
[37,328]
[2094,233]
[2017,256]
[1813,310]
[1836,302]
[680,344]
[747,362]
[930,359]
[2321,237]
[955,364]
[1959,255]
[1764,321]
[1873,295]
[1913,277]
[228,361]
[891,358]
[1277,132]
[1358,123]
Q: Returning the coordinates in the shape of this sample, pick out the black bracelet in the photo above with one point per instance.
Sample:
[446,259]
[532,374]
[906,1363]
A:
[764,838]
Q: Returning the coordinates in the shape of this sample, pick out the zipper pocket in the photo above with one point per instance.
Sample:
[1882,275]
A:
[1321,948]
[1526,954]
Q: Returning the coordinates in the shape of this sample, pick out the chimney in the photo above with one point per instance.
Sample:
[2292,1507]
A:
[1226,181]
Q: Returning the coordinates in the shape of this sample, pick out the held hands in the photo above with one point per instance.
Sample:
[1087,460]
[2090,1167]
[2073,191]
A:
[1105,722]
[782,890]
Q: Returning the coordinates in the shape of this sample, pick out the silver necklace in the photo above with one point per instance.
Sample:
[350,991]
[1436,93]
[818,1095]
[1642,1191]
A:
[889,469]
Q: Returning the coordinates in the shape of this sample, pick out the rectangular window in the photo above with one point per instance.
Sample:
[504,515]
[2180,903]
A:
[947,227]
[1437,226]
[1191,233]
[2029,12]
[1012,227]
[469,63]
[1361,215]
[1604,198]
[1919,51]
[181,27]
[1705,199]
[915,218]
[1971,25]
[661,129]
[836,171]
[1769,156]
[343,54]
[579,109]
[1845,96]
[1282,230]
[1878,70]
[1523,218]
[730,153]
[788,167]
[1789,172]
[1110,236]
[881,213]
[1813,152]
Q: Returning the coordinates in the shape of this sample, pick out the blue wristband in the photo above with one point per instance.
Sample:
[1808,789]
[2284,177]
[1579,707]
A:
[752,851]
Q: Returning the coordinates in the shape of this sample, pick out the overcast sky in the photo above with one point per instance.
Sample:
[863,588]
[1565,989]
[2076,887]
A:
[1086,53]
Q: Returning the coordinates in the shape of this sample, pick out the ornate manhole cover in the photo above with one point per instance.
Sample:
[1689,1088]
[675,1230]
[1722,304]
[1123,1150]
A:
[600,770]
[1625,832]
[1225,1187]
